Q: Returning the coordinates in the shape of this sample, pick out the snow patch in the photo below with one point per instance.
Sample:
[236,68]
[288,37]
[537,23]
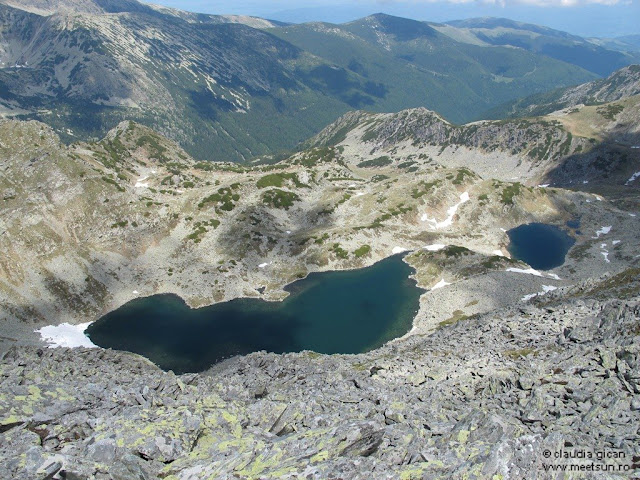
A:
[450,214]
[602,231]
[528,271]
[140,184]
[531,271]
[605,252]
[66,335]
[545,289]
[397,250]
[615,242]
[263,265]
[497,253]
[633,178]
[436,247]
[440,284]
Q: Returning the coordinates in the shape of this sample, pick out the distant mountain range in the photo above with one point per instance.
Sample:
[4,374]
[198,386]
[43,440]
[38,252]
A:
[622,83]
[541,40]
[233,87]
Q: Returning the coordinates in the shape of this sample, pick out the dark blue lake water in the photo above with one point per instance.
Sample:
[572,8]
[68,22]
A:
[333,312]
[542,246]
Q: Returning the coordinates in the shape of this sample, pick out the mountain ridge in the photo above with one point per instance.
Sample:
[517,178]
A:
[591,55]
[243,92]
[504,367]
[621,84]
[368,179]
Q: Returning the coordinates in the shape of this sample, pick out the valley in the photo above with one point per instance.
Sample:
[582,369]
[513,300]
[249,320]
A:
[212,232]
[313,237]
[230,88]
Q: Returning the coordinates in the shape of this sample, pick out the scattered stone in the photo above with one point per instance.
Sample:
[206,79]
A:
[482,398]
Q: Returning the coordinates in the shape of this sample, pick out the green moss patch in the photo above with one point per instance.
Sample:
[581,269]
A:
[279,198]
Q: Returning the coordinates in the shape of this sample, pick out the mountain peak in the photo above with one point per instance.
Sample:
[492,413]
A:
[96,7]
[404,29]
[491,23]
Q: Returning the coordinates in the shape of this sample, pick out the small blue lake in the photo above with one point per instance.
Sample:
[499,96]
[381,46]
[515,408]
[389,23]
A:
[332,312]
[540,245]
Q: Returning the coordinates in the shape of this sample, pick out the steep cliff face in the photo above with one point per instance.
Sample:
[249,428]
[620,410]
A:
[537,140]
[496,395]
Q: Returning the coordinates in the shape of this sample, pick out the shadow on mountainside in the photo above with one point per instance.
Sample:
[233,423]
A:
[256,231]
[606,169]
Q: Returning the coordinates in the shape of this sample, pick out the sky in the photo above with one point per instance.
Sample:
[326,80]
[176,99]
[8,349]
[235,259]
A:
[588,18]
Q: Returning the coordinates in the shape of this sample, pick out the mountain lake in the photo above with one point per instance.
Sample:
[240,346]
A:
[331,312]
[540,245]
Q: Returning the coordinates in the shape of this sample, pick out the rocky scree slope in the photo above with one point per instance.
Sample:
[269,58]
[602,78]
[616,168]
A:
[90,226]
[531,148]
[485,397]
[97,7]
[94,7]
[530,145]
[584,147]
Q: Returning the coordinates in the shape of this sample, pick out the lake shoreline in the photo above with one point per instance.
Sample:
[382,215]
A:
[346,312]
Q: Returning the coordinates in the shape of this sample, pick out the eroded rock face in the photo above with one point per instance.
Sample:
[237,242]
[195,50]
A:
[486,397]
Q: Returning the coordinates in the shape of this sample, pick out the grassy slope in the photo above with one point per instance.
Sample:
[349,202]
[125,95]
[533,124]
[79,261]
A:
[426,68]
